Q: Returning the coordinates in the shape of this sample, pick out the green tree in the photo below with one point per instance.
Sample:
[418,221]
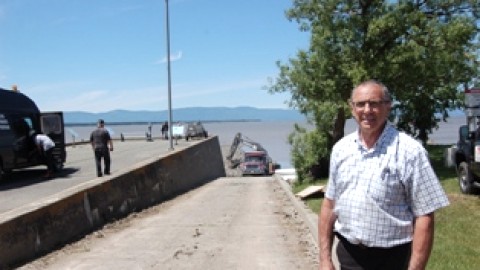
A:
[422,50]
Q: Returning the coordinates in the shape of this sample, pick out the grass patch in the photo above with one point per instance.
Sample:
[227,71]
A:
[457,237]
[312,203]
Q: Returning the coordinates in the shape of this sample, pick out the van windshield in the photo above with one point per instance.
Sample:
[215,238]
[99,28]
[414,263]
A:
[254,159]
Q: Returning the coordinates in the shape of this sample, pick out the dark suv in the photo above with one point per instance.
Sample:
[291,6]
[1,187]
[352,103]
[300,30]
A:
[467,160]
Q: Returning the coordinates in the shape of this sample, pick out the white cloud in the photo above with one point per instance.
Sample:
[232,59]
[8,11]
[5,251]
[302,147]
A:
[88,101]
[173,58]
[192,90]
[60,88]
[149,98]
[89,97]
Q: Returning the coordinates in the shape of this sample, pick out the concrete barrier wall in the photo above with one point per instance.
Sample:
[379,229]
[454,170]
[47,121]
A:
[34,230]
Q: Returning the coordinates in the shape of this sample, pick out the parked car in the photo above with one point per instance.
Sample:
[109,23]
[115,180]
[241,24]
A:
[195,129]
[189,130]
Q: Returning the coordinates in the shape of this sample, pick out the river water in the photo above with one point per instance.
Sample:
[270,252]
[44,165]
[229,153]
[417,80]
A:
[272,135]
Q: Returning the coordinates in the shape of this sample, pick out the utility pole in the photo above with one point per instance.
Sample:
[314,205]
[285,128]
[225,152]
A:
[170,127]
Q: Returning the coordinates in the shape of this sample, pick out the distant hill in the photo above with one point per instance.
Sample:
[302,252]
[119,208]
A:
[203,114]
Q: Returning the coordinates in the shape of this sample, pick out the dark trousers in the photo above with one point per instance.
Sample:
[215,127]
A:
[358,257]
[48,157]
[105,154]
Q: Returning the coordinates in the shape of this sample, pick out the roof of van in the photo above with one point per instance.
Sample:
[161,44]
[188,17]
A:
[16,102]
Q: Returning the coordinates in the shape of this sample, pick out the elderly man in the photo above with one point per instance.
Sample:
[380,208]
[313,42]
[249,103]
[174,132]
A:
[382,192]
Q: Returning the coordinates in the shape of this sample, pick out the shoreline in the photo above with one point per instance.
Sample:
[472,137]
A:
[132,123]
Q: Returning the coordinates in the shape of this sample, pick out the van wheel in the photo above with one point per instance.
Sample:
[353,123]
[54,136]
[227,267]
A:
[465,179]
[4,174]
[58,166]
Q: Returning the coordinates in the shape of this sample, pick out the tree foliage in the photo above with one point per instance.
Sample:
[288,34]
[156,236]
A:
[422,50]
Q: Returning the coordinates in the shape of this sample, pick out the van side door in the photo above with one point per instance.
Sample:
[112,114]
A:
[52,125]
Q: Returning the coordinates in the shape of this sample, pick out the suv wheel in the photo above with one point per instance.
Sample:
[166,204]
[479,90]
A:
[465,179]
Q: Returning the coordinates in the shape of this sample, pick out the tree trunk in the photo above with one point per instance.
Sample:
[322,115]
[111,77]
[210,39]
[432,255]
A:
[338,127]
[320,170]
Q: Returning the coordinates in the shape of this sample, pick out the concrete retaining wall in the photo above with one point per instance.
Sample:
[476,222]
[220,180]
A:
[36,229]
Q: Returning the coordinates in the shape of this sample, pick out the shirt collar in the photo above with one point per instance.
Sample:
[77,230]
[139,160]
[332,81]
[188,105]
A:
[388,129]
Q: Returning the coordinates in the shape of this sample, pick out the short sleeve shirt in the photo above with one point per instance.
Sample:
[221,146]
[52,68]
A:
[44,141]
[379,191]
[100,138]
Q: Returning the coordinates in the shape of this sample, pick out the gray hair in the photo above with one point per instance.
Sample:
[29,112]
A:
[383,87]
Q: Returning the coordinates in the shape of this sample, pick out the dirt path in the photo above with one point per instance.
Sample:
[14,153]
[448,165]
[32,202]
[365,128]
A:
[230,223]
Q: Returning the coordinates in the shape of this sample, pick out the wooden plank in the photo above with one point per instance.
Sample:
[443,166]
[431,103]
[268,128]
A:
[310,191]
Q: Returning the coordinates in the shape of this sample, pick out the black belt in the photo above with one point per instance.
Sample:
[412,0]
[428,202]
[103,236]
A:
[345,241]
[363,247]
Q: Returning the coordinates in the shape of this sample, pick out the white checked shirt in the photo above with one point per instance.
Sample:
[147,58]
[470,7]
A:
[379,191]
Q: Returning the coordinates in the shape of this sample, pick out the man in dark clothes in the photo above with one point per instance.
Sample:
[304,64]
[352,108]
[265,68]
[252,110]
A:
[165,130]
[101,140]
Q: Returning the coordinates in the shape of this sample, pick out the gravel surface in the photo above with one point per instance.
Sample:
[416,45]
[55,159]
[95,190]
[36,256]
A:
[229,223]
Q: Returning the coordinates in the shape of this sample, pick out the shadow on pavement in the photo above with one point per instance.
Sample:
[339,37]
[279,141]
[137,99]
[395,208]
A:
[26,177]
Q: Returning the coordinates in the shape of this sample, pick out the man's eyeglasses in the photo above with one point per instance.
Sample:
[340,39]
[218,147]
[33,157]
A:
[374,104]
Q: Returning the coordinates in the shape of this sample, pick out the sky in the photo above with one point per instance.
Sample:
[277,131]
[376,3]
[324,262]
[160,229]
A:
[103,55]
